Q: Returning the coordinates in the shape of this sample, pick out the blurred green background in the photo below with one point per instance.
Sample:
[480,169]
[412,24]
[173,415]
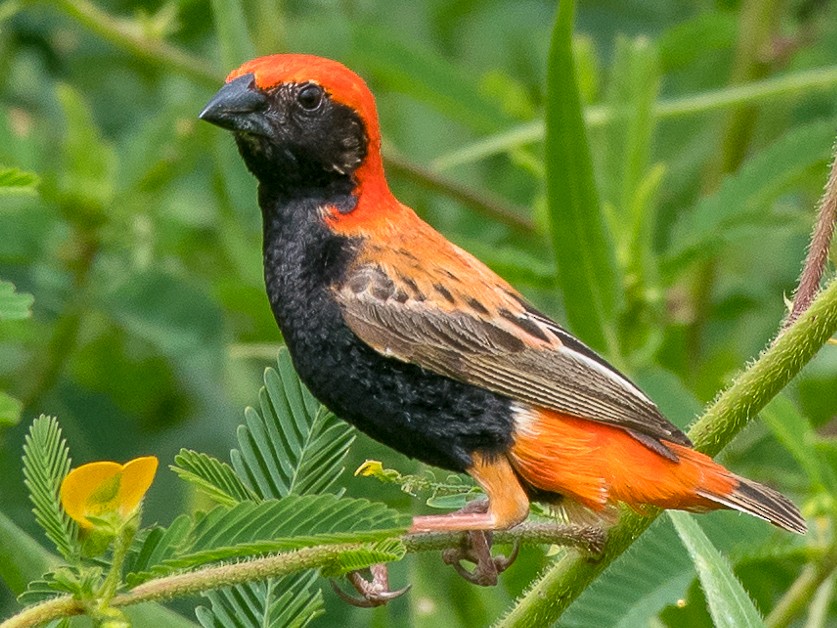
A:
[142,245]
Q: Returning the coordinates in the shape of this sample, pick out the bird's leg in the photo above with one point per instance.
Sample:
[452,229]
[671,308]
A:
[506,506]
[373,592]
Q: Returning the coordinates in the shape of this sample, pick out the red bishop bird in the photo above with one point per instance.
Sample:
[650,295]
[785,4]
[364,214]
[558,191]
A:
[421,346]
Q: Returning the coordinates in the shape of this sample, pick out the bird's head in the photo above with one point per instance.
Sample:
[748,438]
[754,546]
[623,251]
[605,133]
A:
[301,122]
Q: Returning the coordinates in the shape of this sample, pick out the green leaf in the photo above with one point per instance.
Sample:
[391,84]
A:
[172,314]
[87,180]
[633,89]
[742,202]
[292,446]
[211,476]
[794,431]
[656,573]
[10,410]
[385,551]
[14,305]
[587,272]
[276,603]
[251,529]
[43,589]
[22,558]
[159,545]
[17,181]
[46,462]
[728,602]
[691,40]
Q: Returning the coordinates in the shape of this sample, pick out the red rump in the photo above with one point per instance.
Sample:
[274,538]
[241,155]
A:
[597,464]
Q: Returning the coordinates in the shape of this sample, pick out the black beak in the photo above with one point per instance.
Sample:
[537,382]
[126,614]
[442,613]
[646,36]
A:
[239,106]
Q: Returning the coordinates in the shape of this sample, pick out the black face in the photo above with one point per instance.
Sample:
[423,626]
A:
[293,136]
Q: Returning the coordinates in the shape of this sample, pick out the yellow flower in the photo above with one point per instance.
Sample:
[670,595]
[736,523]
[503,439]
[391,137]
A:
[104,489]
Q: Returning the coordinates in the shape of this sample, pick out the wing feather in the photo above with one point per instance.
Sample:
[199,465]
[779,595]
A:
[497,342]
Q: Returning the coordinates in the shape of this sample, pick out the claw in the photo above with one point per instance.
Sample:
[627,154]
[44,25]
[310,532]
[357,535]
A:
[373,592]
[477,550]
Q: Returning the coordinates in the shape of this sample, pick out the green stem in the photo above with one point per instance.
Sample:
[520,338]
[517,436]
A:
[492,206]
[124,35]
[587,539]
[802,590]
[695,104]
[121,545]
[550,596]
[755,29]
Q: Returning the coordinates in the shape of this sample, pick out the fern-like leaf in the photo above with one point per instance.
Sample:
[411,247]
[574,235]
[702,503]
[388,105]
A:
[291,445]
[214,478]
[252,529]
[46,462]
[159,545]
[287,602]
[385,551]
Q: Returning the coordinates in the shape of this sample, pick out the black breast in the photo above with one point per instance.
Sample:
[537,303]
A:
[423,415]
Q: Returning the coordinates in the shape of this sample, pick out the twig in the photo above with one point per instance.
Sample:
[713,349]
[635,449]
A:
[812,271]
[128,37]
[123,35]
[590,539]
[486,203]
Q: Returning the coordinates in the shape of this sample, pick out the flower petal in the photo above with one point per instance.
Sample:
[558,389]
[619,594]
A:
[99,489]
[137,476]
[80,485]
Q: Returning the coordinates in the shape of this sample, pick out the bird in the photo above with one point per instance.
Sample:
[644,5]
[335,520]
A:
[421,346]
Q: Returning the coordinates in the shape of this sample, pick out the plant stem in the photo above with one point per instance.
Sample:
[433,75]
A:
[588,539]
[550,596]
[494,207]
[46,366]
[812,271]
[124,35]
[802,590]
[756,24]
[598,115]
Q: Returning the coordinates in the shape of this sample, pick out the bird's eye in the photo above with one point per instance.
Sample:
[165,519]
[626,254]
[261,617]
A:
[310,96]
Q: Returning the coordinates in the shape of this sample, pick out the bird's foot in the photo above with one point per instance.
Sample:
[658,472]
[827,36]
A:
[476,549]
[373,592]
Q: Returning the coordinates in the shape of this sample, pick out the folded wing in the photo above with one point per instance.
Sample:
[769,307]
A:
[494,340]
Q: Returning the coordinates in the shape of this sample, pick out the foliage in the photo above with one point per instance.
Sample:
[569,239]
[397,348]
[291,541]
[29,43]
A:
[132,302]
[46,462]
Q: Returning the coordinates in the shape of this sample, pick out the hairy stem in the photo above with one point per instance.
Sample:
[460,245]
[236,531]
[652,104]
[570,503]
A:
[550,596]
[812,271]
[587,539]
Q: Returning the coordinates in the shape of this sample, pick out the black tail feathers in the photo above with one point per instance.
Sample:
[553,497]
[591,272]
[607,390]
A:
[762,502]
